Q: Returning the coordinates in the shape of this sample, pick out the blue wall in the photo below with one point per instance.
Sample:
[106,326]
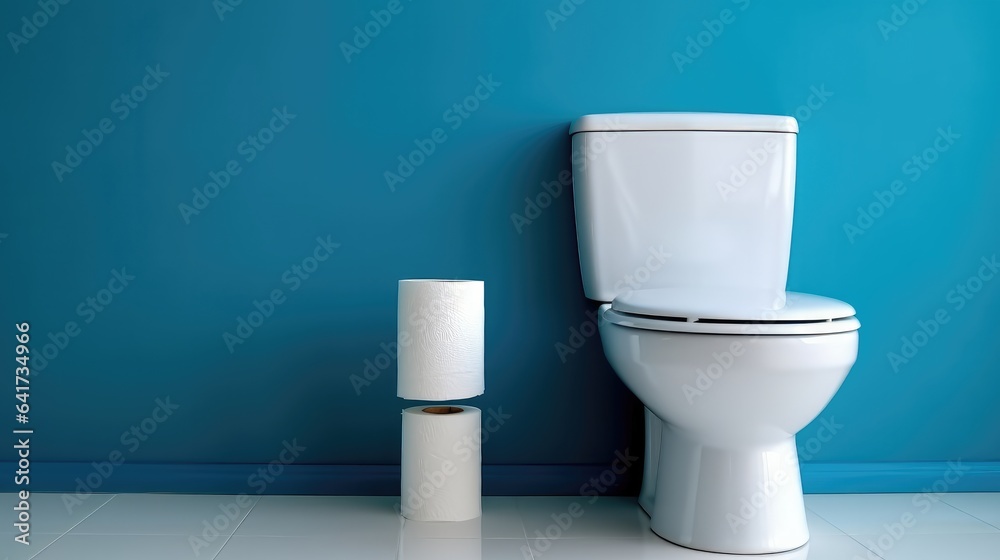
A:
[198,80]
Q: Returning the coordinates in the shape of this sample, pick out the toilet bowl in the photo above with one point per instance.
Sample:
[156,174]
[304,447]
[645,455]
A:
[684,226]
[725,398]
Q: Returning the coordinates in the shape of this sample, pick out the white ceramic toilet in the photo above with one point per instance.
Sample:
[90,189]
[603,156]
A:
[684,225]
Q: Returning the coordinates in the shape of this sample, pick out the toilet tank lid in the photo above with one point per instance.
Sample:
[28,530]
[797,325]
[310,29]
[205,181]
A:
[711,305]
[723,122]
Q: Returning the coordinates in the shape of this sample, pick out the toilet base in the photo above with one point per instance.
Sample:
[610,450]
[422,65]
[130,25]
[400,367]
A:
[647,495]
[745,500]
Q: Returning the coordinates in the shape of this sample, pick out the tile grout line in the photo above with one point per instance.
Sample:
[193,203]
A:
[237,528]
[865,546]
[968,513]
[75,525]
[843,533]
[524,529]
[832,524]
[399,533]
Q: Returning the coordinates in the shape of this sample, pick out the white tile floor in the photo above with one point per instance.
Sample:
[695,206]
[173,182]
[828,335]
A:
[160,526]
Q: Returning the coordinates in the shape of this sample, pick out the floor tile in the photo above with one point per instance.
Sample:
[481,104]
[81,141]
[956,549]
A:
[643,549]
[568,517]
[500,520]
[464,549]
[320,516]
[127,547]
[10,550]
[836,547]
[50,513]
[168,514]
[820,526]
[981,505]
[874,514]
[914,546]
[308,548]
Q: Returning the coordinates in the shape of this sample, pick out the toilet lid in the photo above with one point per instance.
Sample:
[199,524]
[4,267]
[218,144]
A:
[695,311]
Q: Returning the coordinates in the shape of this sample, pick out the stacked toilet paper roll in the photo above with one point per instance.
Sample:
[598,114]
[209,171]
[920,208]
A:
[442,465]
[440,335]
[440,339]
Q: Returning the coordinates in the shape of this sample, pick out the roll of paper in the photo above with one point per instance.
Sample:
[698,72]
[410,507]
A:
[440,333]
[441,463]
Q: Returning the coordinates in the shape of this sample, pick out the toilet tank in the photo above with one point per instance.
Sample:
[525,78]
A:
[684,200]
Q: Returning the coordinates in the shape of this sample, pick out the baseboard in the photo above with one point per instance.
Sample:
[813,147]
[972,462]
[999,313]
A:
[498,480]
[930,476]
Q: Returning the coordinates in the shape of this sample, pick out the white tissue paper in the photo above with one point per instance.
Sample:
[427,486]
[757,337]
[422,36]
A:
[441,463]
[440,333]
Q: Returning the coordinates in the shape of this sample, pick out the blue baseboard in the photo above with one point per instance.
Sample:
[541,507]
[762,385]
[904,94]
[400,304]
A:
[498,480]
[931,476]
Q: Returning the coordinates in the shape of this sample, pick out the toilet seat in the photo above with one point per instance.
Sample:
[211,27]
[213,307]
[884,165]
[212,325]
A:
[687,311]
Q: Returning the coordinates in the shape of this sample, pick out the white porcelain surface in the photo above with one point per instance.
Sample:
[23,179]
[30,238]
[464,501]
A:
[728,478]
[612,528]
[683,121]
[650,460]
[682,209]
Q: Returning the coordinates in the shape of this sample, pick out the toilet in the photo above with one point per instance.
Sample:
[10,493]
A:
[684,224]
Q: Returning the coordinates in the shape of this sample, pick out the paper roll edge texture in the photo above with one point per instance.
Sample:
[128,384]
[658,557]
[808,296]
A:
[441,464]
[440,339]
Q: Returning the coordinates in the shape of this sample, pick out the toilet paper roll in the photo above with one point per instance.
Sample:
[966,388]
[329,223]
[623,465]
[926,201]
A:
[440,332]
[441,463]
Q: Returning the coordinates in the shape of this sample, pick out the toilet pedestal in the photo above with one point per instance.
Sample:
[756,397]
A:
[647,495]
[745,500]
